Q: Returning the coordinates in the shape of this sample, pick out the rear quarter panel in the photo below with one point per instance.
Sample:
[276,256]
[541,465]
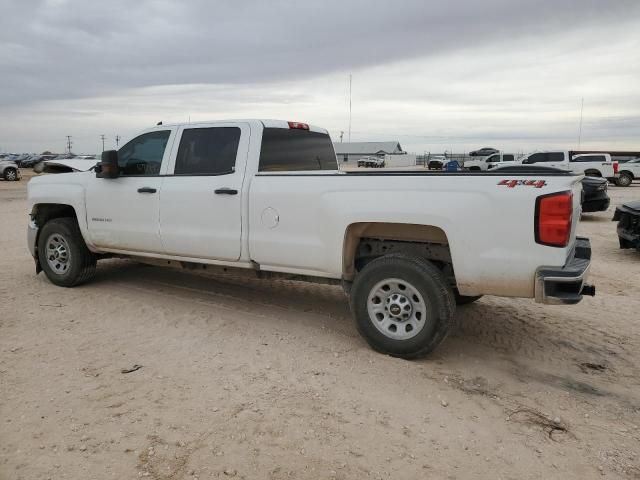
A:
[489,227]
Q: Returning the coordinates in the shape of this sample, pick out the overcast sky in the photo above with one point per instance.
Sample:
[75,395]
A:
[434,75]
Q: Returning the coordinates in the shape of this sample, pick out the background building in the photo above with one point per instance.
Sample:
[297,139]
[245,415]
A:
[348,153]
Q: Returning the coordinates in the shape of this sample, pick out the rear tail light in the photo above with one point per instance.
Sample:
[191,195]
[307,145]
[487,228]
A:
[298,125]
[615,167]
[553,219]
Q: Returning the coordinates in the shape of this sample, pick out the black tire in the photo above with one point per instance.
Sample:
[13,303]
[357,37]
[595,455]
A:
[80,263]
[624,180]
[421,275]
[463,299]
[11,175]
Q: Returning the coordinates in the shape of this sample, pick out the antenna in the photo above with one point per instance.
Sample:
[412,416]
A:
[580,130]
[350,107]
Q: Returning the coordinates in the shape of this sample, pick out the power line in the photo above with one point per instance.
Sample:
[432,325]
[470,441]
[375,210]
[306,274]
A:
[580,130]
[350,107]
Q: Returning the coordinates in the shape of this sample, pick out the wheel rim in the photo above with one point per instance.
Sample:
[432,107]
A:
[58,254]
[397,309]
[625,180]
[11,175]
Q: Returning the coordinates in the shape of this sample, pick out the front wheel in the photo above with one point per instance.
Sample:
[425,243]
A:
[63,255]
[403,305]
[624,180]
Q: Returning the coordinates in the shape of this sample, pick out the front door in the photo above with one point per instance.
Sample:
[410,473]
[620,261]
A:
[122,213]
[201,202]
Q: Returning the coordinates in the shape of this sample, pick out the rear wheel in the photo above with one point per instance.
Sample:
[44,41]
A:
[63,255]
[11,174]
[403,305]
[624,180]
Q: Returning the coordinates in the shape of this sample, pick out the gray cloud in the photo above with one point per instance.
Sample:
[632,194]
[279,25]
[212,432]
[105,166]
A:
[57,49]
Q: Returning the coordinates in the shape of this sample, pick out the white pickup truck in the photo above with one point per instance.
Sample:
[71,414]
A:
[266,198]
[487,163]
[590,164]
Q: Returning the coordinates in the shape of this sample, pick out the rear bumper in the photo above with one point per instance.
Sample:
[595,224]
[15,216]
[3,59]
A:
[596,204]
[566,285]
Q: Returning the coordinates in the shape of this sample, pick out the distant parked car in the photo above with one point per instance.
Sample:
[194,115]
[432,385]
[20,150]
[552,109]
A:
[437,162]
[9,170]
[628,217]
[375,162]
[483,152]
[628,172]
[595,198]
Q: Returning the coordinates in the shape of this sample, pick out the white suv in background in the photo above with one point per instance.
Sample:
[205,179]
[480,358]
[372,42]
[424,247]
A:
[591,164]
[628,172]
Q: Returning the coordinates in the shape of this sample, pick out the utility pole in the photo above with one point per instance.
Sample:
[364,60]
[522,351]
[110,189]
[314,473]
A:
[117,141]
[350,108]
[69,143]
[341,135]
[580,130]
[102,138]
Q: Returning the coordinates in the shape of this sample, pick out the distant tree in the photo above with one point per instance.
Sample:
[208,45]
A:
[46,152]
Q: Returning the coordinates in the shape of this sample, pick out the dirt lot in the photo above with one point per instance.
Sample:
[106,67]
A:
[270,380]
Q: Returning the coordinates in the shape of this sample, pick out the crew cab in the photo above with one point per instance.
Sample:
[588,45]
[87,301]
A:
[266,198]
[590,164]
[487,163]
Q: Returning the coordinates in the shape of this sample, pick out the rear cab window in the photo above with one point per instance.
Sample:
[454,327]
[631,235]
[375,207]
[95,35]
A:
[295,150]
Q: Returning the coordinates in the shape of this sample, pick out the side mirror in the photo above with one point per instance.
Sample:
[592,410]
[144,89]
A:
[108,167]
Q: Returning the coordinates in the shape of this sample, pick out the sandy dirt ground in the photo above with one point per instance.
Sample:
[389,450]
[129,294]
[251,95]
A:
[258,379]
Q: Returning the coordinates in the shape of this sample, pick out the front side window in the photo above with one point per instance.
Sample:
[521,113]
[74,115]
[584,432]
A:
[143,155]
[493,158]
[285,150]
[207,151]
[556,157]
[507,158]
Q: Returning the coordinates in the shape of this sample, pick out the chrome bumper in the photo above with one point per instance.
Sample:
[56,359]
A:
[566,285]
[32,238]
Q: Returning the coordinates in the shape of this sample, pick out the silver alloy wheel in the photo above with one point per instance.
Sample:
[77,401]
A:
[397,309]
[11,175]
[624,180]
[58,254]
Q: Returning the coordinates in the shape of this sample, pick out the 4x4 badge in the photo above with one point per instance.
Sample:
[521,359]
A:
[528,183]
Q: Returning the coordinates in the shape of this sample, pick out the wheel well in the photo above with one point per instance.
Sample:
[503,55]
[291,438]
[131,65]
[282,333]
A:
[593,173]
[43,212]
[366,241]
[628,173]
[474,168]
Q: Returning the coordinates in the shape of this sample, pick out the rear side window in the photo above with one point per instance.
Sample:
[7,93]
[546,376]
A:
[143,155]
[555,157]
[287,150]
[207,151]
[507,158]
[590,158]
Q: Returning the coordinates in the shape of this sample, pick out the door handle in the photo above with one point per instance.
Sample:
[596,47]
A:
[226,191]
[147,190]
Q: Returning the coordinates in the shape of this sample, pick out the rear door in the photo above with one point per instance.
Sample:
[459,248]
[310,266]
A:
[201,200]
